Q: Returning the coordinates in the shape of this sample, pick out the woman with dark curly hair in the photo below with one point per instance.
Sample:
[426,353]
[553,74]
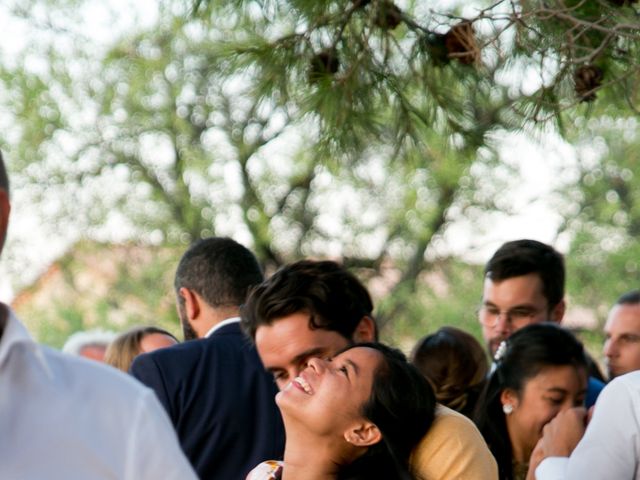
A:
[355,417]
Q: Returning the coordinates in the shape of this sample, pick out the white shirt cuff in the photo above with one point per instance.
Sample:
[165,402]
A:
[552,468]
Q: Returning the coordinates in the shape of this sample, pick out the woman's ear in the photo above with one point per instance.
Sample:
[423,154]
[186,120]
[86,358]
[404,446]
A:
[363,435]
[509,399]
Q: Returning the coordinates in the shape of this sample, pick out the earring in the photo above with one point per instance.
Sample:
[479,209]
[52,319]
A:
[507,408]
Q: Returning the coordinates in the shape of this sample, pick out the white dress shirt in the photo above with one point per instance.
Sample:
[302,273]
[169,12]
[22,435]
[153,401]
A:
[63,417]
[610,448]
[218,326]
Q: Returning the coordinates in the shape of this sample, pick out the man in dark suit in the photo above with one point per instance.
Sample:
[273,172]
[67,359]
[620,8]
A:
[215,389]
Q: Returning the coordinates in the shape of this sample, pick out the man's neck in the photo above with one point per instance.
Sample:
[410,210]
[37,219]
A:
[215,316]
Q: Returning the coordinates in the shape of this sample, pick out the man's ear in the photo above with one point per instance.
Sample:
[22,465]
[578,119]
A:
[191,303]
[363,435]
[365,330]
[558,311]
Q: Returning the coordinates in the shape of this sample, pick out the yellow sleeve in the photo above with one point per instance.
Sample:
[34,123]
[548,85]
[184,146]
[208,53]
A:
[453,449]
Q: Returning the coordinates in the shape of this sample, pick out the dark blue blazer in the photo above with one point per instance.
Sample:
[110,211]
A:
[220,400]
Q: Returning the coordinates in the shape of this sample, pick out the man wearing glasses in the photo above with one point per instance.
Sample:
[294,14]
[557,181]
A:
[524,284]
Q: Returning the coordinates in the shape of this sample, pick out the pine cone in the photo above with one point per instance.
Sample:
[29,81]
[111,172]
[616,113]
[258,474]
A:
[587,80]
[323,64]
[461,43]
[435,45]
[388,16]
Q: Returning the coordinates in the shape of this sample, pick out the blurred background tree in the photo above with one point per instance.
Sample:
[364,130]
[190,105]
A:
[363,131]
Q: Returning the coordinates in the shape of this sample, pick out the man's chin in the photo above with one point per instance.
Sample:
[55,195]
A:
[613,373]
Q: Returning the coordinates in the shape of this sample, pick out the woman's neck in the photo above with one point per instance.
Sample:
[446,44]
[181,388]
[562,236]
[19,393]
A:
[521,445]
[311,458]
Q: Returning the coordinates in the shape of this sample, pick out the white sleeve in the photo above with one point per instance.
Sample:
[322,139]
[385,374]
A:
[552,468]
[610,447]
[153,450]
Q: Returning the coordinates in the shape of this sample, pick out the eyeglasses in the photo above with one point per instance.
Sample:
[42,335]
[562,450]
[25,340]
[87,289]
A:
[519,316]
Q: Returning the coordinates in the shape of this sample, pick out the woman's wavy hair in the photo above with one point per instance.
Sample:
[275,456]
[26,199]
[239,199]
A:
[525,354]
[402,405]
[126,347]
[455,364]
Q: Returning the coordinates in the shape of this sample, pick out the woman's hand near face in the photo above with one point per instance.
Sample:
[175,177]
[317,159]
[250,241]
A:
[559,437]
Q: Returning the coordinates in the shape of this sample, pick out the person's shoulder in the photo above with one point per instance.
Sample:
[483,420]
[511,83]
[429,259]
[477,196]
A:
[446,418]
[182,353]
[80,374]
[627,384]
[453,448]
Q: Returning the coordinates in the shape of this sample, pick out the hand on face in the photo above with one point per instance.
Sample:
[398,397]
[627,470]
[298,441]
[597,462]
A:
[553,390]
[560,436]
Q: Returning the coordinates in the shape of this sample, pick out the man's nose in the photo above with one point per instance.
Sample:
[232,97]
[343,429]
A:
[503,323]
[610,348]
[317,364]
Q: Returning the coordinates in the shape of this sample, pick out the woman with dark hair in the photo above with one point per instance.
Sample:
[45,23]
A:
[540,371]
[128,345]
[455,364]
[355,417]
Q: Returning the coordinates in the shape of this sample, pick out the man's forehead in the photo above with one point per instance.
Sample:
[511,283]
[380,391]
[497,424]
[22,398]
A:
[515,289]
[292,338]
[624,316]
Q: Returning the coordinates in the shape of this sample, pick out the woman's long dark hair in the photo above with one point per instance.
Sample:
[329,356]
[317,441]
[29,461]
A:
[402,405]
[528,351]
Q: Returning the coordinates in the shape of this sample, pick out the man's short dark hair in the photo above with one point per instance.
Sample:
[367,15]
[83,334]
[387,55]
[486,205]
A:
[629,298]
[218,269]
[4,178]
[522,257]
[333,297]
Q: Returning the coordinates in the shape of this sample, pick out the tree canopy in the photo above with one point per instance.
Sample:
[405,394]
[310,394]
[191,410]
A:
[360,130]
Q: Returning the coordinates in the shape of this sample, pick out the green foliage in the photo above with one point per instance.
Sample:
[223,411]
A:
[354,130]
[605,212]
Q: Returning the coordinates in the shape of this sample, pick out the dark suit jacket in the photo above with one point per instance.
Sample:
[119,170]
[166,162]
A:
[220,400]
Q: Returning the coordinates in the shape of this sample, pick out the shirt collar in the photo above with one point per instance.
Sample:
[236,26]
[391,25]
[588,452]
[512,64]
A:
[218,326]
[13,335]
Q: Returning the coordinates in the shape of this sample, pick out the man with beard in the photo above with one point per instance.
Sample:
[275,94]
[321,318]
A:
[214,387]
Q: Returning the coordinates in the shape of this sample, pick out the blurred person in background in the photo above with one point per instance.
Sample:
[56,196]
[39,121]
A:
[128,345]
[622,330]
[90,344]
[455,364]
